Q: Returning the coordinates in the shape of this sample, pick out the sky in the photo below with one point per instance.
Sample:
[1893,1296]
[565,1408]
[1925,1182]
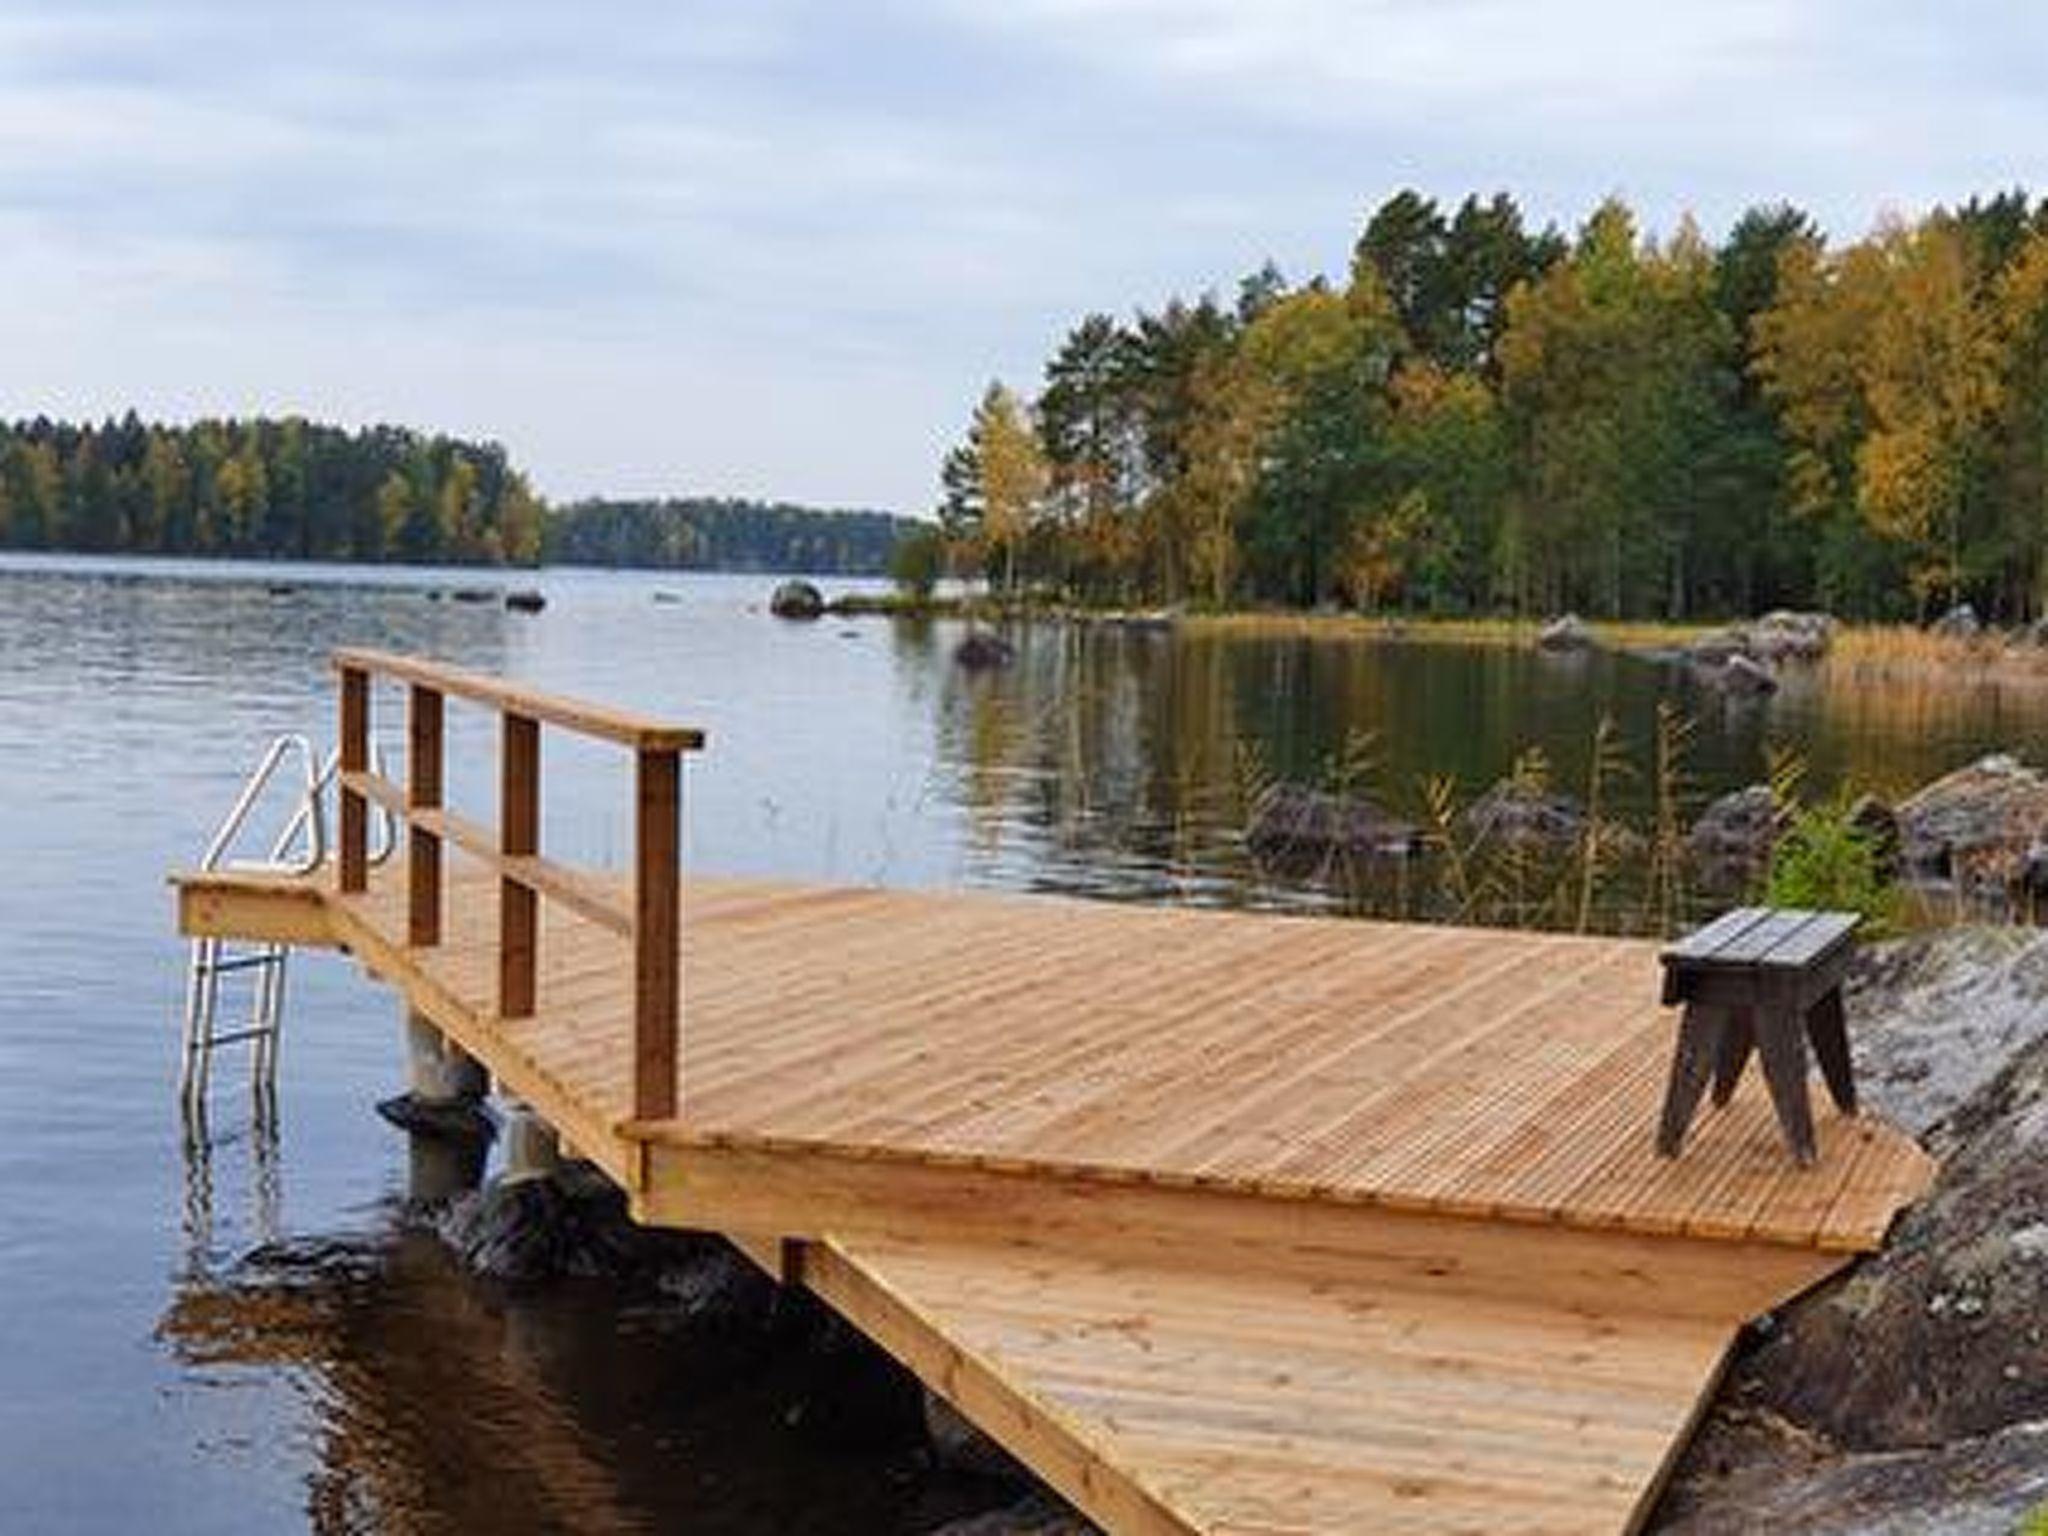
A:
[778,248]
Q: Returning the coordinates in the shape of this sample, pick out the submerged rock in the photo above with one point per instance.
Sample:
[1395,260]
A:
[1566,633]
[984,651]
[1293,822]
[796,600]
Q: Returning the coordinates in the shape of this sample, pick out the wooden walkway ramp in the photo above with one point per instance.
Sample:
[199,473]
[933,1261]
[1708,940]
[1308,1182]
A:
[1220,1221]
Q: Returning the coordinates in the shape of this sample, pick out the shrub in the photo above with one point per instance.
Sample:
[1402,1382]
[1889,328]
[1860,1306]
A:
[918,560]
[1825,860]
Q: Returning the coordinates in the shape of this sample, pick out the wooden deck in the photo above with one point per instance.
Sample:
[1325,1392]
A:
[1223,1222]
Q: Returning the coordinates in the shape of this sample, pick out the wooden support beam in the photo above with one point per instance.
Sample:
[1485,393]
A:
[355,758]
[518,837]
[425,718]
[657,955]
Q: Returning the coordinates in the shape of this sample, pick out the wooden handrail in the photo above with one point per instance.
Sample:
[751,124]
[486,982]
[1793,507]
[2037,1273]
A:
[641,732]
[651,920]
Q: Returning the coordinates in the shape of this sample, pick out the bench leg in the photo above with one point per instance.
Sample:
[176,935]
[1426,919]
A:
[1829,1033]
[1781,1042]
[1698,1032]
[1731,1053]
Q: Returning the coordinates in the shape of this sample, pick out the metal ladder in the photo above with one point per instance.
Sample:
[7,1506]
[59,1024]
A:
[299,849]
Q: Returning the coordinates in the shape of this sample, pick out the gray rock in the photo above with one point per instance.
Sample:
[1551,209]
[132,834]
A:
[1037,1514]
[983,651]
[1743,677]
[1910,1393]
[1718,647]
[796,600]
[1730,845]
[1786,635]
[1292,823]
[958,1446]
[1959,623]
[1976,826]
[1566,633]
[1521,813]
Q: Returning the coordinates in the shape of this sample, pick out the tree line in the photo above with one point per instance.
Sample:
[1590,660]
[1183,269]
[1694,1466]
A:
[1480,416]
[724,534]
[270,488]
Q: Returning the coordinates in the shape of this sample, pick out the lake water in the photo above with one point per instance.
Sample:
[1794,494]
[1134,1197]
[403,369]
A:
[154,1377]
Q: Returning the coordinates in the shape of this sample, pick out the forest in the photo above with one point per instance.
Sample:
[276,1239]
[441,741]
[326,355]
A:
[1484,417]
[270,488]
[722,534]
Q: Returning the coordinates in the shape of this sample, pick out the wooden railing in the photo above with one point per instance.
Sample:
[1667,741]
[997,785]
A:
[651,924]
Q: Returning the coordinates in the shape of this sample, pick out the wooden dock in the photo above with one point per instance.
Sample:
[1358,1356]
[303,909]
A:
[1219,1221]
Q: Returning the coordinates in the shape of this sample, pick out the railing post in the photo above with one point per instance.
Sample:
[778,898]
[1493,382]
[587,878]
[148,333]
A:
[355,758]
[518,836]
[657,909]
[424,717]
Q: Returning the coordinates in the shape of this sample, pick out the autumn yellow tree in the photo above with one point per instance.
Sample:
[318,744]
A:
[1012,474]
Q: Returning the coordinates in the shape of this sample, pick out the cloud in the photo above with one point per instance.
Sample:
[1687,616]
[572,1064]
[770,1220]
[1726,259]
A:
[779,247]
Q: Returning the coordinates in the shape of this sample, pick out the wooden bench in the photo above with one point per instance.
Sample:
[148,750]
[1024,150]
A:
[1763,979]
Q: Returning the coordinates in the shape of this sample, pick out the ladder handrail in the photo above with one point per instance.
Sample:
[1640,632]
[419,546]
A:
[308,821]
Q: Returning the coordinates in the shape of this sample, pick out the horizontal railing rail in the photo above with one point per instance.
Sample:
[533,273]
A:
[648,913]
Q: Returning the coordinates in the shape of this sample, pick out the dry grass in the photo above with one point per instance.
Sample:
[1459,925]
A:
[1488,632]
[1900,653]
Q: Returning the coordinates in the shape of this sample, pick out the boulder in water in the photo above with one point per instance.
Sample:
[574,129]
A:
[1517,812]
[1294,823]
[526,600]
[984,651]
[1788,635]
[1567,634]
[797,600]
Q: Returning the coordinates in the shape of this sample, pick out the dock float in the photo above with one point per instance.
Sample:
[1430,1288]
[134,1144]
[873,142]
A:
[1219,1221]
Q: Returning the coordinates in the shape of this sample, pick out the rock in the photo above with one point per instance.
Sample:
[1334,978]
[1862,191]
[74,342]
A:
[1730,845]
[281,589]
[448,1119]
[1786,635]
[1742,677]
[982,651]
[526,600]
[796,600]
[1879,825]
[1910,1393]
[1515,812]
[1036,1514]
[474,594]
[1718,647]
[958,1446]
[666,596]
[1911,1347]
[1959,623]
[1975,826]
[573,1223]
[1294,823]
[1566,633]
